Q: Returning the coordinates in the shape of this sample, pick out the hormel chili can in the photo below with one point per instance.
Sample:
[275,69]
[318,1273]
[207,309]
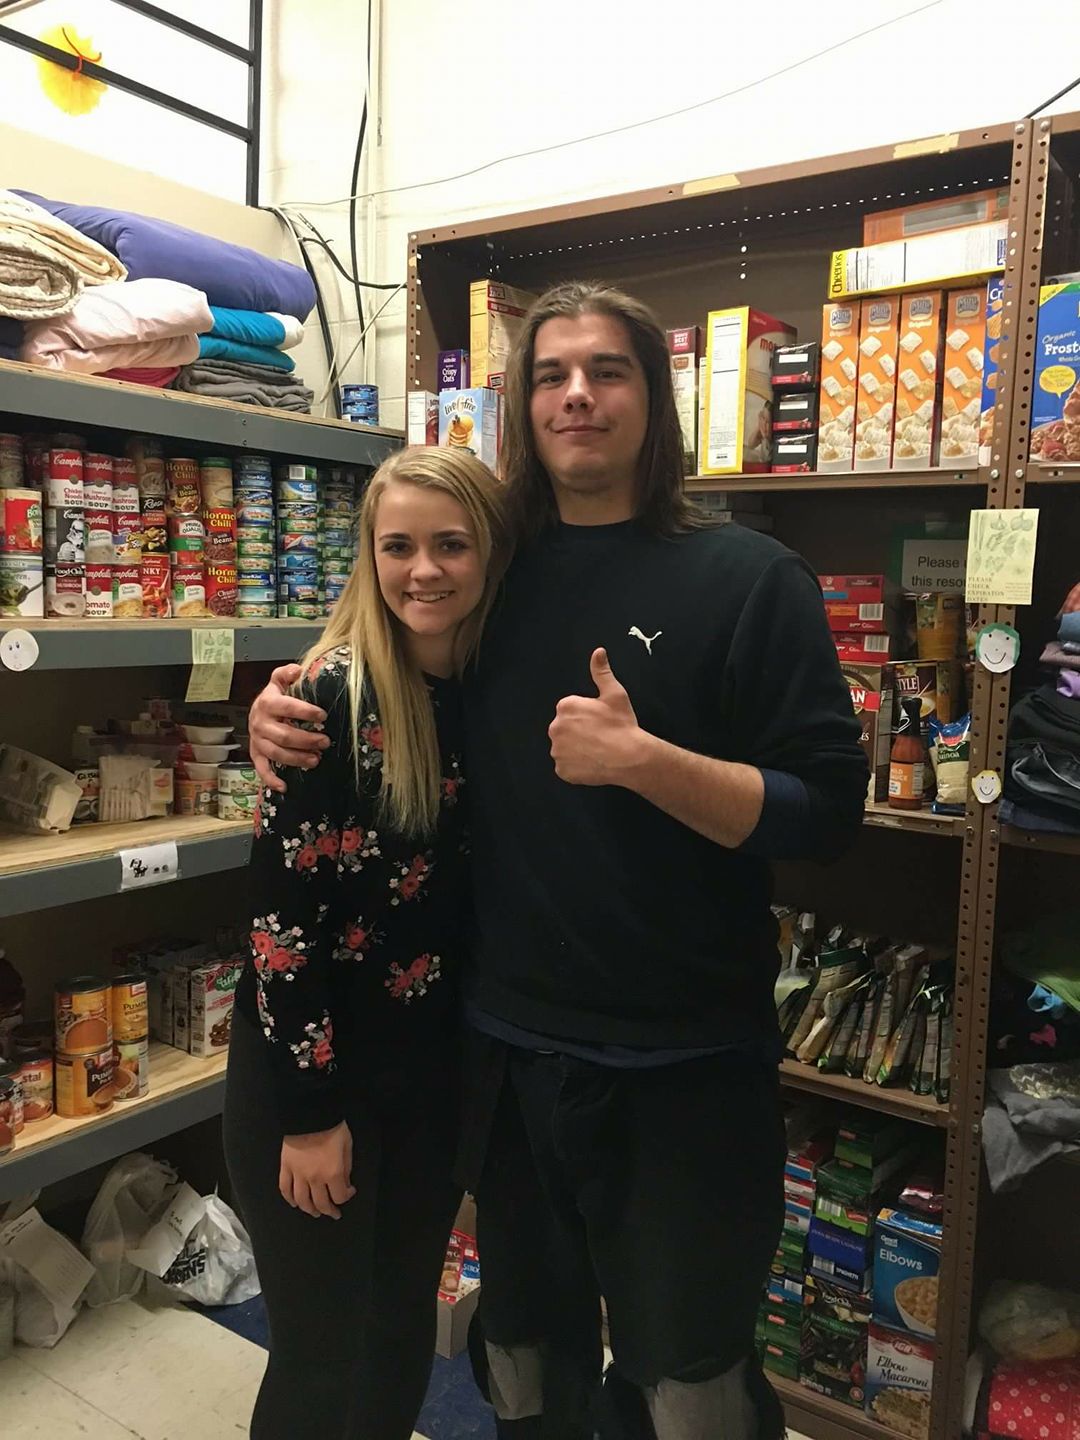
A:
[20,521]
[156,577]
[220,537]
[99,592]
[64,477]
[221,589]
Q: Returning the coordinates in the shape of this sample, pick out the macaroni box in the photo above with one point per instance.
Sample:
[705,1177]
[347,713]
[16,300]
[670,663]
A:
[738,389]
[961,397]
[995,318]
[469,420]
[875,411]
[907,1259]
[835,1330]
[422,418]
[1055,403]
[840,1256]
[872,701]
[899,1378]
[918,394]
[496,319]
[684,347]
[839,372]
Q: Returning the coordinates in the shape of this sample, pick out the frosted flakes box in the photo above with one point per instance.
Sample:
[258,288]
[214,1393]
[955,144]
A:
[1055,404]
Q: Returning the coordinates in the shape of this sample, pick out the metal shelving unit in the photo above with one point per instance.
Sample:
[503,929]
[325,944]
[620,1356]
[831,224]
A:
[842,480]
[115,644]
[905,1105]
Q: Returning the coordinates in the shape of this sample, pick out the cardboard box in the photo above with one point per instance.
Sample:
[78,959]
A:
[899,1378]
[938,685]
[981,207]
[995,320]
[875,408]
[847,617]
[919,380]
[459,1292]
[836,1327]
[961,398]
[795,412]
[839,374]
[794,453]
[422,418]
[907,1259]
[862,649]
[496,319]
[797,367]
[857,589]
[872,701]
[749,519]
[212,994]
[684,347]
[469,420]
[453,1318]
[840,1255]
[1055,403]
[945,255]
[870,1139]
[453,370]
[738,399]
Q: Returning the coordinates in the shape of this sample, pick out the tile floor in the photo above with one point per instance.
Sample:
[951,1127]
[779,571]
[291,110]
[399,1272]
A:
[141,1370]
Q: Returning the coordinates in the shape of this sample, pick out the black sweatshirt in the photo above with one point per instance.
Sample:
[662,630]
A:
[599,917]
[357,933]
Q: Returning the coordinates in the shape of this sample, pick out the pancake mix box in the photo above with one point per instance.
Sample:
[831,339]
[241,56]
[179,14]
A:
[469,420]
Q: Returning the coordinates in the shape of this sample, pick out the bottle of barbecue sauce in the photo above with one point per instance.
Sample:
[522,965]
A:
[908,761]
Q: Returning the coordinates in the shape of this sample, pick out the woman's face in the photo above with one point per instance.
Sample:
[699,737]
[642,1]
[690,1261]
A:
[427,559]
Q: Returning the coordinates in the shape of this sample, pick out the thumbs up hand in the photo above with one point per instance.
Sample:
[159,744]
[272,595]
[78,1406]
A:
[596,741]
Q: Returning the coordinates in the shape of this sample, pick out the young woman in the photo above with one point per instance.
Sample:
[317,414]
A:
[341,1104]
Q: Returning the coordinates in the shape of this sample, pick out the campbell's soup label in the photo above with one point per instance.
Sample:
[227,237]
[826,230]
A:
[99,592]
[99,537]
[188,591]
[97,482]
[65,535]
[127,539]
[127,592]
[125,498]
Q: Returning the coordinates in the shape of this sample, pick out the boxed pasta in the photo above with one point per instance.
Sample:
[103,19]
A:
[961,397]
[839,373]
[496,319]
[738,390]
[899,1378]
[684,347]
[875,408]
[1055,403]
[907,1259]
[995,318]
[918,392]
[835,1330]
[949,213]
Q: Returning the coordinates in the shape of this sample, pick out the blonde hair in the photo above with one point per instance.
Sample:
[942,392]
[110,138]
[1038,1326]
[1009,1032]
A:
[361,620]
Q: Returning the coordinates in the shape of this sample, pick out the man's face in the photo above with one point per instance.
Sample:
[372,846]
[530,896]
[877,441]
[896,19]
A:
[589,408]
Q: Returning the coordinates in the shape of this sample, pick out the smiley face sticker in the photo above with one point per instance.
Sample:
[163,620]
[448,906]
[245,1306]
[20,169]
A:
[986,786]
[998,648]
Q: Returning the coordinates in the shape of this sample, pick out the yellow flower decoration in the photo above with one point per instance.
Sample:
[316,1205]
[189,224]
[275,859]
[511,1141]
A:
[70,90]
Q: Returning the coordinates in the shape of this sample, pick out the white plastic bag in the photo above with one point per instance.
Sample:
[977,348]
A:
[49,1276]
[216,1265]
[129,1198]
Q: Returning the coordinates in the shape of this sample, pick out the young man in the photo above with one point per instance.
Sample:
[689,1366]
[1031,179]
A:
[656,713]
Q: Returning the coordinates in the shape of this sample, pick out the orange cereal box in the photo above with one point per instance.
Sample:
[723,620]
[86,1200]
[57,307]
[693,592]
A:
[918,390]
[875,408]
[839,374]
[961,397]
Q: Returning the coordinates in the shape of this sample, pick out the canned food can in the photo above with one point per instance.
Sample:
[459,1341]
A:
[300,560]
[298,589]
[297,525]
[98,481]
[156,577]
[83,1025]
[20,522]
[85,1083]
[126,499]
[36,1072]
[88,778]
[36,459]
[132,1069]
[9,1070]
[301,610]
[358,390]
[63,492]
[124,471]
[300,509]
[127,592]
[256,609]
[129,1003]
[238,777]
[297,491]
[127,539]
[186,527]
[293,541]
[194,797]
[8,1088]
[220,528]
[182,470]
[12,472]
[155,535]
[65,592]
[336,570]
[254,512]
[99,592]
[65,535]
[22,586]
[99,538]
[256,567]
[262,550]
[221,589]
[216,483]
[188,590]
[187,549]
[236,806]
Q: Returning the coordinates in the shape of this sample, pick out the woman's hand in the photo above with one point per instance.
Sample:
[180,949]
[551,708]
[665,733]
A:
[316,1171]
[275,736]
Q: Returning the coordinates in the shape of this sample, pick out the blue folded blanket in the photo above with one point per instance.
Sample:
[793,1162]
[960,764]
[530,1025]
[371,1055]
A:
[256,327]
[230,275]
[213,347]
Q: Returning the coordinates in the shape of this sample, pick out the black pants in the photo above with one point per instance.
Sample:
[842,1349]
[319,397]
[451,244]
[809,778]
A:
[662,1190]
[351,1302]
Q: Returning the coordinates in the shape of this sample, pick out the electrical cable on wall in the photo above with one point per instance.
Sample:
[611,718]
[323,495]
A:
[367,327]
[1071,86]
[354,181]
[320,305]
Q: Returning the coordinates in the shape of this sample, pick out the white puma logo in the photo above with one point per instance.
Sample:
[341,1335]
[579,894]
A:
[646,640]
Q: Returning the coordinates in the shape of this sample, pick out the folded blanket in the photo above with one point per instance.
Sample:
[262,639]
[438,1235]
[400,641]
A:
[21,217]
[160,377]
[257,327]
[231,275]
[11,338]
[136,324]
[248,384]
[33,283]
[213,347]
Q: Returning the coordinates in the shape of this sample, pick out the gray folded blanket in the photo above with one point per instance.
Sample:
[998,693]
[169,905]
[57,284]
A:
[248,384]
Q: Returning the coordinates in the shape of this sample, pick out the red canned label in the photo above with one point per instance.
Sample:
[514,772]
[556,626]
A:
[125,498]
[127,539]
[220,536]
[221,589]
[124,471]
[189,590]
[156,577]
[181,471]
[127,592]
[65,591]
[99,601]
[65,465]
[20,521]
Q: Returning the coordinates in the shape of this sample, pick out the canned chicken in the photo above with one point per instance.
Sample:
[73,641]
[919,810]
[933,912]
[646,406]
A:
[83,1026]
[236,806]
[85,1084]
[36,1078]
[256,609]
[128,998]
[132,1080]
[237,778]
[20,521]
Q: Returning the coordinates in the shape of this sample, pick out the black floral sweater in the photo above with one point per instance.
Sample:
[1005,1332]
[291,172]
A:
[357,932]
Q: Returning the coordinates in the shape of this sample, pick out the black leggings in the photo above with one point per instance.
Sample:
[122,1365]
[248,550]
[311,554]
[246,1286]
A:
[351,1302]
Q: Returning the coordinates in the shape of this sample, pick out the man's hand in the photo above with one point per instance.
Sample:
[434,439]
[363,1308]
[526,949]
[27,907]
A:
[316,1171]
[275,735]
[596,742]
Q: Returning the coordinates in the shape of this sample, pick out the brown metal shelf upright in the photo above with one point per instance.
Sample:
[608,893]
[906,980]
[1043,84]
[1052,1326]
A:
[671,245]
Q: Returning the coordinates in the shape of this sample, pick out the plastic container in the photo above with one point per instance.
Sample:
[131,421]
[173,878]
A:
[206,734]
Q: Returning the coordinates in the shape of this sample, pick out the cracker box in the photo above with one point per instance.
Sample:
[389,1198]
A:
[918,391]
[839,373]
[835,1330]
[1055,403]
[738,399]
[422,418]
[995,319]
[979,208]
[875,408]
[496,319]
[684,347]
[469,420]
[961,396]
[907,1259]
[872,701]
[899,1378]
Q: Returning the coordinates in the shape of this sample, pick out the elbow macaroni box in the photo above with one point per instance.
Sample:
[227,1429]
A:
[1055,403]
[684,347]
[907,1259]
[899,1378]
[918,390]
[496,319]
[995,319]
[875,406]
[469,420]
[961,396]
[738,389]
[839,373]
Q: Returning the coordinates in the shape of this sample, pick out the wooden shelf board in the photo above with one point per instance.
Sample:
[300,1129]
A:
[888,1100]
[820,1418]
[842,480]
[1063,472]
[1040,840]
[916,822]
[20,851]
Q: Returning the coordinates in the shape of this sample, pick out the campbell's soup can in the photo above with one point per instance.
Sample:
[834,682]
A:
[132,1080]
[125,497]
[155,574]
[20,521]
[36,1076]
[129,1004]
[83,1019]
[127,599]
[65,591]
[98,482]
[85,1084]
[99,538]
[99,592]
[216,483]
[188,590]
[65,535]
[127,539]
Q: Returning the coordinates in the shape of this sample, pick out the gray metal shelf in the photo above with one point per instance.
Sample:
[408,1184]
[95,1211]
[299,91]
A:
[77,400]
[109,644]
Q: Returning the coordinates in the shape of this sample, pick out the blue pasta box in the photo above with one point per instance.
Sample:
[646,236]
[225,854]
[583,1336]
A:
[840,1256]
[1055,402]
[453,370]
[907,1259]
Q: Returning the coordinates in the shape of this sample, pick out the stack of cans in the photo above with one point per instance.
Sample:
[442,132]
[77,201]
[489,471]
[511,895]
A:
[337,533]
[256,572]
[22,574]
[65,531]
[219,523]
[148,460]
[360,403]
[187,537]
[301,595]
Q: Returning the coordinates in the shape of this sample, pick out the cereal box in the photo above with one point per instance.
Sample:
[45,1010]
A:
[995,316]
[907,1259]
[1055,404]
[496,317]
[918,393]
[899,1378]
[875,407]
[961,397]
[839,373]
[684,347]
[738,389]
[469,420]
[938,258]
[952,213]
[422,418]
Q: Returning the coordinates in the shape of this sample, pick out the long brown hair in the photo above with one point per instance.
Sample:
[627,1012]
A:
[411,771]
[663,506]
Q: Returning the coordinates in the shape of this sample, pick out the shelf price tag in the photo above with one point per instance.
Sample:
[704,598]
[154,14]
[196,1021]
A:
[213,655]
[149,865]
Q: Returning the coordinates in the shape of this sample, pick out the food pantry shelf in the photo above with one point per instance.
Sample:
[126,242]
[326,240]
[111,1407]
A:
[1040,840]
[108,644]
[887,1100]
[183,1091]
[843,480]
[76,400]
[826,1419]
[40,871]
[1042,472]
[920,822]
